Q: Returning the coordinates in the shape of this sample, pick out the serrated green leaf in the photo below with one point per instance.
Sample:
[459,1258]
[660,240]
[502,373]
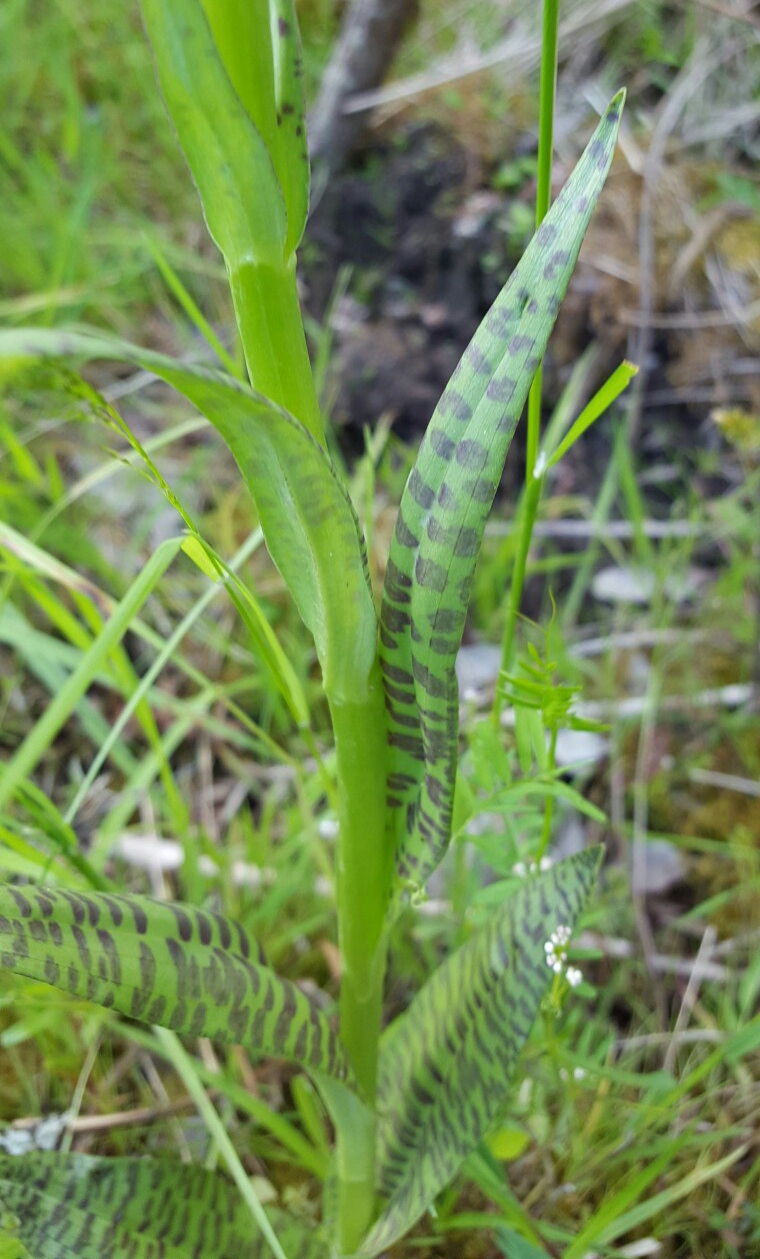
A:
[446,1063]
[444,508]
[196,973]
[228,158]
[307,518]
[76,1207]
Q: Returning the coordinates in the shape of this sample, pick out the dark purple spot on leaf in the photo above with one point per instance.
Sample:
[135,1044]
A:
[472,455]
[430,575]
[440,443]
[477,360]
[467,544]
[422,494]
[452,403]
[546,233]
[500,321]
[500,389]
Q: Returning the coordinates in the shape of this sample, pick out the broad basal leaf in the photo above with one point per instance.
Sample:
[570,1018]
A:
[446,1063]
[308,520]
[75,1207]
[197,973]
[444,508]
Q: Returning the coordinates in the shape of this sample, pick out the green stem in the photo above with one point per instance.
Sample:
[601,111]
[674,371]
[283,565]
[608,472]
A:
[364,878]
[546,831]
[271,327]
[527,520]
[548,92]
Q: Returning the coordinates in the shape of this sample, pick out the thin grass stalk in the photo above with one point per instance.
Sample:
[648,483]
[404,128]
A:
[533,484]
[548,94]
[528,520]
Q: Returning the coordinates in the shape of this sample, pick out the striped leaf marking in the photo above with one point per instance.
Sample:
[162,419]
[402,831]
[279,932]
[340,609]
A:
[307,517]
[76,1207]
[443,513]
[446,1063]
[197,973]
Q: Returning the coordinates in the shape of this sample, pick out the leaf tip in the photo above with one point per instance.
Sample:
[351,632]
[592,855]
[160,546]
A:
[617,104]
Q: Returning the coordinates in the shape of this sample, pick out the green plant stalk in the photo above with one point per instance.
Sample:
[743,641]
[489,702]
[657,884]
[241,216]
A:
[528,520]
[548,92]
[533,484]
[364,877]
[271,328]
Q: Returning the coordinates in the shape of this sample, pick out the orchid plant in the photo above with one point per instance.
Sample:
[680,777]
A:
[410,1101]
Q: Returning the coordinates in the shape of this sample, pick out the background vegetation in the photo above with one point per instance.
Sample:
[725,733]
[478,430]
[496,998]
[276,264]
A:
[634,1129]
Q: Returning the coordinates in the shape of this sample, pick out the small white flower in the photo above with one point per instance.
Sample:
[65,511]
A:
[574,976]
[545,863]
[555,949]
[579,1073]
[520,869]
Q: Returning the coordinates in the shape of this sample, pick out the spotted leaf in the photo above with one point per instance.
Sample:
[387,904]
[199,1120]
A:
[76,1207]
[197,973]
[445,1065]
[443,513]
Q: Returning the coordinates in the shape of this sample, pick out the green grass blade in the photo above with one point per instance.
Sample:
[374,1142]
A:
[195,973]
[445,1064]
[11,1247]
[72,1206]
[623,1212]
[191,308]
[63,704]
[309,523]
[185,1068]
[444,508]
[602,399]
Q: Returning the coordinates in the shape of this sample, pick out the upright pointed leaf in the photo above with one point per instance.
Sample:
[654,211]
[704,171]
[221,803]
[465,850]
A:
[76,1207]
[242,201]
[291,153]
[446,1063]
[259,45]
[444,508]
[308,520]
[196,973]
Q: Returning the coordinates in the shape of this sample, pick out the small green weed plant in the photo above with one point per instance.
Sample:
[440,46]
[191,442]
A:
[409,1103]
